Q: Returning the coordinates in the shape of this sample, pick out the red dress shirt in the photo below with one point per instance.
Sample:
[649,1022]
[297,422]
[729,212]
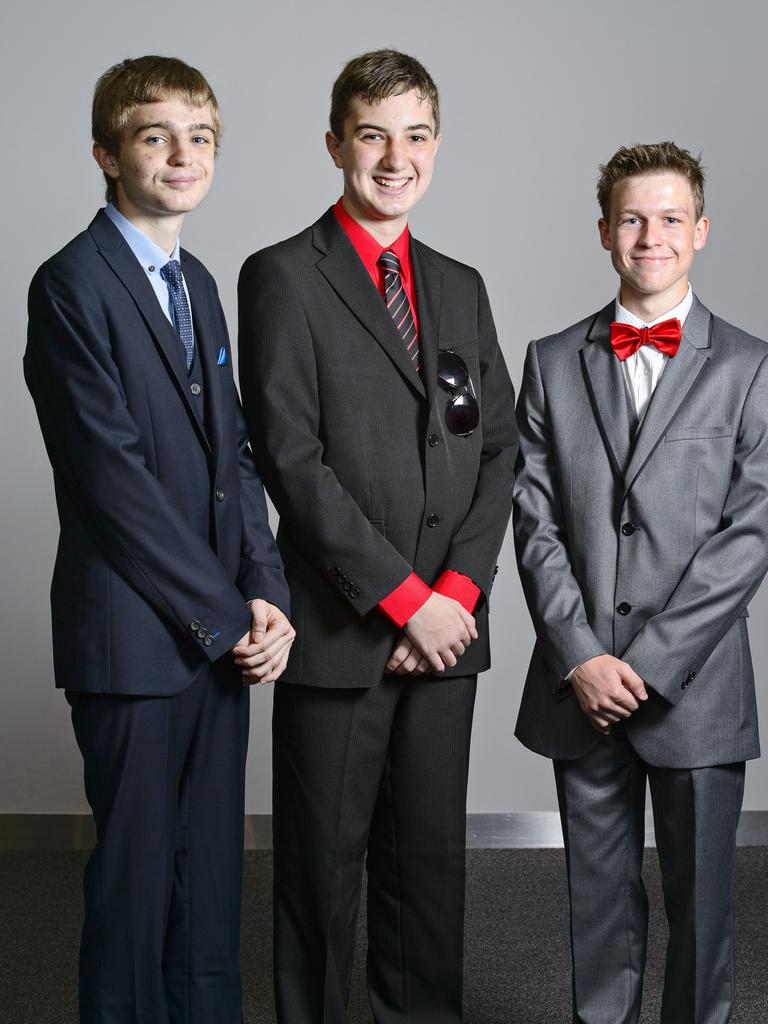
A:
[411,594]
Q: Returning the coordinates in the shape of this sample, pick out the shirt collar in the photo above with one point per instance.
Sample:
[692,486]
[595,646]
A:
[368,249]
[680,312]
[147,252]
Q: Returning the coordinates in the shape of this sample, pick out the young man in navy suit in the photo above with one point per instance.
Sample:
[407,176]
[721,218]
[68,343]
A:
[168,593]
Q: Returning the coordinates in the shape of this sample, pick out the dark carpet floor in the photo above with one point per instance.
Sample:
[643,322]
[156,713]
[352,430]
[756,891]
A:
[517,958]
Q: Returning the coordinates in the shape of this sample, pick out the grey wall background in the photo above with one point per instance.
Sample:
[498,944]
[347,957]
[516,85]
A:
[534,96]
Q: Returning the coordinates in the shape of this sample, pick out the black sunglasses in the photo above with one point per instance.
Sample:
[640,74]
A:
[462,413]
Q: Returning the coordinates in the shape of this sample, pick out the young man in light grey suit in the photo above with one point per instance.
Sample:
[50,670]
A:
[641,524]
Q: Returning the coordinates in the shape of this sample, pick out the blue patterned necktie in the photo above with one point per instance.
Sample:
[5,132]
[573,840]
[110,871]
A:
[171,273]
[399,307]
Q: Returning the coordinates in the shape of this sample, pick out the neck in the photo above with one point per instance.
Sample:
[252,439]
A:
[651,307]
[384,231]
[164,231]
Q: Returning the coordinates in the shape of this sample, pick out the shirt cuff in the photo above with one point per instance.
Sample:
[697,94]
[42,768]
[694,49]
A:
[405,600]
[461,588]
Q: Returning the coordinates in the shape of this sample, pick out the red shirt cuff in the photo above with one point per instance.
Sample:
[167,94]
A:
[406,599]
[459,587]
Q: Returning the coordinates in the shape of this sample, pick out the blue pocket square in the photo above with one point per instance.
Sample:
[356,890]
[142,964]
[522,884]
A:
[222,357]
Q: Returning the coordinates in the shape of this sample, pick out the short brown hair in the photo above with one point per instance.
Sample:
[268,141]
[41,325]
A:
[376,76]
[653,158]
[137,80]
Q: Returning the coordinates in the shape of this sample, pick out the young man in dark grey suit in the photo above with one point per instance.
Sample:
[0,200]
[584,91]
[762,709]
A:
[641,523]
[165,564]
[381,416]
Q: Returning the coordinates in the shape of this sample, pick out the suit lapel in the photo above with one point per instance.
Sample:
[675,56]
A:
[675,383]
[605,381]
[208,340]
[429,300]
[118,255]
[345,272]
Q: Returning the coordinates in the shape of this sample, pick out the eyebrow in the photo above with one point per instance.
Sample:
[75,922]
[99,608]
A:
[169,126]
[410,128]
[669,209]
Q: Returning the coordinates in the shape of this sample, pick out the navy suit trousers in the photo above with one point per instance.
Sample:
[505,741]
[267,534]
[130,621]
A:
[165,780]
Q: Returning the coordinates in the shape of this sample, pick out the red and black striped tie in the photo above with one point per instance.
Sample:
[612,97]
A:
[399,307]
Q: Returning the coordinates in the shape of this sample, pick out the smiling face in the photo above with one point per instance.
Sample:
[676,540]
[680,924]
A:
[164,166]
[652,235]
[387,154]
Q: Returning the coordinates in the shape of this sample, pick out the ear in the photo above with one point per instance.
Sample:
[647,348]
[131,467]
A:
[438,140]
[605,233]
[106,161]
[700,233]
[334,148]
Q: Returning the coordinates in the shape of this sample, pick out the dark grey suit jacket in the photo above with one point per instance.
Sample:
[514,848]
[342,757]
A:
[649,550]
[353,447]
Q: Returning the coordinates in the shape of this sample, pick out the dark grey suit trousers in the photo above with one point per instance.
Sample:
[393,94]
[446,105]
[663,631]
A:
[374,776]
[696,811]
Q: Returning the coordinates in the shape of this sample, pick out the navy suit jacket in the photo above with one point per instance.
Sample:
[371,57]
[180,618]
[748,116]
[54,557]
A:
[164,530]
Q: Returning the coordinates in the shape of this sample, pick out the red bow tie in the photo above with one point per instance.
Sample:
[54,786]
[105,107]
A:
[626,340]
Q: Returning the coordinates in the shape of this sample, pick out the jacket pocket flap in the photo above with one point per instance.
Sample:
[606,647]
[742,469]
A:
[689,433]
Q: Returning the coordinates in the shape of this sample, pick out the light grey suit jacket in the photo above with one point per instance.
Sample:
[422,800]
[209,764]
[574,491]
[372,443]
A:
[647,548]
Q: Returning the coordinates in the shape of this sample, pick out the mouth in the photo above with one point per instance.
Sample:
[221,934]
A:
[652,261]
[392,185]
[181,183]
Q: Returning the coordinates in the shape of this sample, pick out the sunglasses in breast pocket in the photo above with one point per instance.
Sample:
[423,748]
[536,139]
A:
[462,414]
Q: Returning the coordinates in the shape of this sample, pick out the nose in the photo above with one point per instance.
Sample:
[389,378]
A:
[650,234]
[181,152]
[395,155]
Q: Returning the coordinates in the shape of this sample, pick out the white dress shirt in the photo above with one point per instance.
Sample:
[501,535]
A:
[643,370]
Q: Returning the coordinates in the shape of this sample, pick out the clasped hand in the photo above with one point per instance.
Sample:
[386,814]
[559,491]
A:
[433,639]
[608,690]
[262,654]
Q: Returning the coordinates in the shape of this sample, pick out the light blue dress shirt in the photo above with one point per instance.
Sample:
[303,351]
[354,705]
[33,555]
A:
[151,257]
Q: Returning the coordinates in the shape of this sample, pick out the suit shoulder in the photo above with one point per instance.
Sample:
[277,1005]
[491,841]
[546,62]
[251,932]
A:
[282,254]
[738,341]
[446,264]
[70,258]
[552,345]
[70,272]
[196,265]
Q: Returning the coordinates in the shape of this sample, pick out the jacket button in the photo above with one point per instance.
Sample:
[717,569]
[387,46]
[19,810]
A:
[628,529]
[433,520]
[336,571]
[208,641]
[624,608]
[194,625]
[219,494]
[202,633]
[688,680]
[354,592]
[433,440]
[195,389]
